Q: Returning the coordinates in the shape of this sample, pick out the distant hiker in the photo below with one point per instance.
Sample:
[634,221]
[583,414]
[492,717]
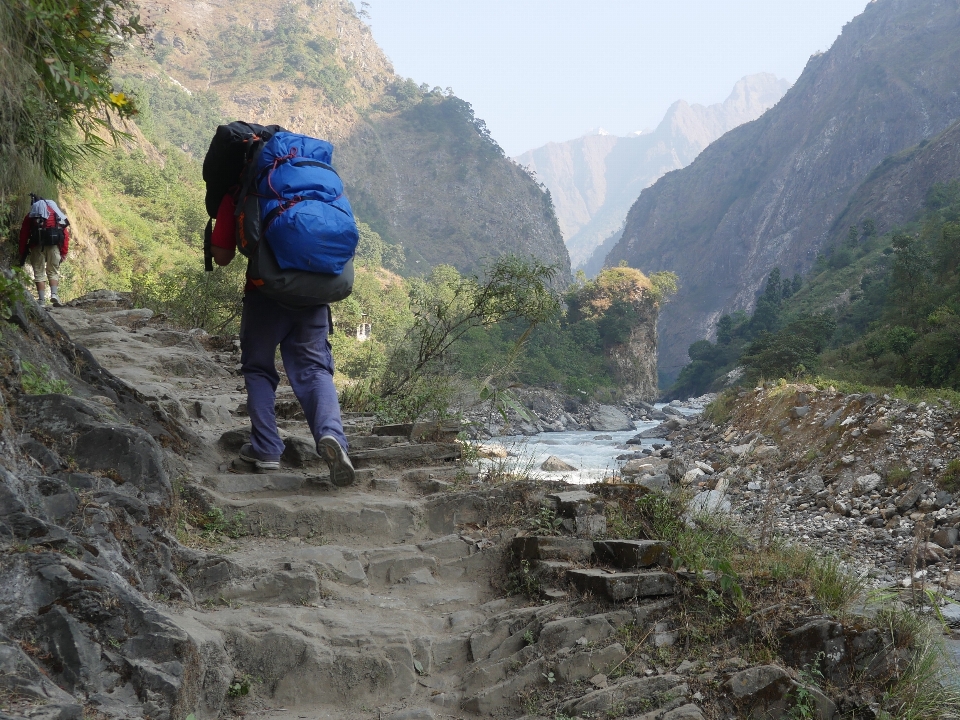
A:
[45,239]
[302,262]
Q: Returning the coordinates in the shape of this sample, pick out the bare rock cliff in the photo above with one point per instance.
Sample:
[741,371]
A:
[635,361]
[768,193]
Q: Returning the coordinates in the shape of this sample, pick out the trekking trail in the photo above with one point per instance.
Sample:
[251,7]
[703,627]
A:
[386,599]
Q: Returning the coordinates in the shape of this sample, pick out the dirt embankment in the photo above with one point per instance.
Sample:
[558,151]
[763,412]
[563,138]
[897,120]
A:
[871,478]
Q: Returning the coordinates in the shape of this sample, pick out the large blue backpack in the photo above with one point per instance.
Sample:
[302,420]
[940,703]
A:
[294,222]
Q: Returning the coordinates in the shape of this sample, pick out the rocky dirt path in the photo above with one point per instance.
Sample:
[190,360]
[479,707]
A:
[385,599]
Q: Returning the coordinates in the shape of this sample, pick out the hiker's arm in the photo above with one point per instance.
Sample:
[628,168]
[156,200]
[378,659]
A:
[223,241]
[223,256]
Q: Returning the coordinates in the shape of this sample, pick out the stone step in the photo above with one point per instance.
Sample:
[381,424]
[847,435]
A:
[619,586]
[352,516]
[437,573]
[434,479]
[552,548]
[238,483]
[402,564]
[348,416]
[633,554]
[623,554]
[312,657]
[399,456]
[338,659]
[359,442]
[255,482]
[346,516]
[443,431]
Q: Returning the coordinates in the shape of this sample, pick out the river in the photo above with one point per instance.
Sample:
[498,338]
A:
[594,457]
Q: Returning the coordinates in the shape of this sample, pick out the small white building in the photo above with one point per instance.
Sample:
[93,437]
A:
[363,329]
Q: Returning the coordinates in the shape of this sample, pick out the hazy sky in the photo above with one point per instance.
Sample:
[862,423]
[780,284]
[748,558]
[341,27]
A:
[542,70]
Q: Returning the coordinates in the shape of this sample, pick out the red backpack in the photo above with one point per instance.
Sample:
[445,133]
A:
[46,231]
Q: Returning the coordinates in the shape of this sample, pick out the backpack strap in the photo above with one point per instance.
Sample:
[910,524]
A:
[208,246]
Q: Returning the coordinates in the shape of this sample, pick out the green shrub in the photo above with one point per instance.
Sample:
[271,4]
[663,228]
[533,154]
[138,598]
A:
[720,410]
[950,479]
[38,381]
[11,291]
[834,585]
[192,298]
[545,522]
[897,475]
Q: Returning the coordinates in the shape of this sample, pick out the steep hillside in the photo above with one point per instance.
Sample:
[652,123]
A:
[430,178]
[416,162]
[895,192]
[768,193]
[595,179]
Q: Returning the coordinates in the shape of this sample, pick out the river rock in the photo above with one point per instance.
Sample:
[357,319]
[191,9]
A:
[555,464]
[762,691]
[691,476]
[812,484]
[637,467]
[708,502]
[655,483]
[946,537]
[492,451]
[609,419]
[910,497]
[660,431]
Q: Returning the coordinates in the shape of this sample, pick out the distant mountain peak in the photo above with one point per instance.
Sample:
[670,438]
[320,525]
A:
[593,182]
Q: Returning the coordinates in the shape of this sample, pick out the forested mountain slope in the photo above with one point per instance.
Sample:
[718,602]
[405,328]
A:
[415,161]
[596,178]
[769,193]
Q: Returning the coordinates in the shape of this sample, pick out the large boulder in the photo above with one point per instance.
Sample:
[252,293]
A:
[609,419]
[555,464]
[20,677]
[629,696]
[659,432]
[74,606]
[762,691]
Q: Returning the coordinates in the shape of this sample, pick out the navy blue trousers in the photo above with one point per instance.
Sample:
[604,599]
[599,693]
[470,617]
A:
[301,334]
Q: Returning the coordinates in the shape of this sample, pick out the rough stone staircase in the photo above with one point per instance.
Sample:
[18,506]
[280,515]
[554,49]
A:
[389,594]
[388,599]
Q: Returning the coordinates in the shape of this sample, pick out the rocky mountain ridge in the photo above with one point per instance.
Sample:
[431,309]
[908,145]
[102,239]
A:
[768,193]
[594,180]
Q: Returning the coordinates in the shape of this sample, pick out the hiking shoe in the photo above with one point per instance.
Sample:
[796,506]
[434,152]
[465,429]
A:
[265,464]
[54,300]
[341,469]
